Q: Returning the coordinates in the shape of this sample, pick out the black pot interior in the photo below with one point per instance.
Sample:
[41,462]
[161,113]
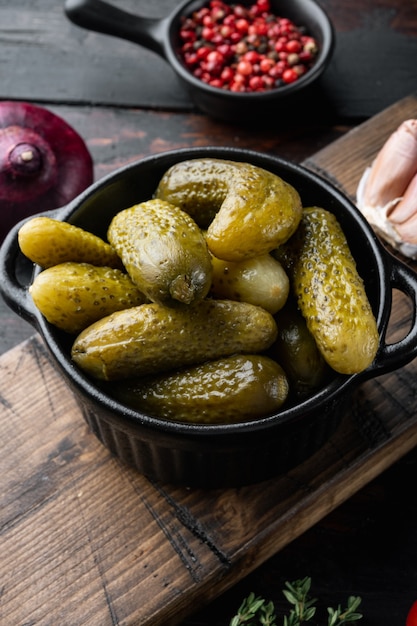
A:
[94,209]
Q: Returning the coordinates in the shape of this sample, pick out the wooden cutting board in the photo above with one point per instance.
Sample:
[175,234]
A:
[86,540]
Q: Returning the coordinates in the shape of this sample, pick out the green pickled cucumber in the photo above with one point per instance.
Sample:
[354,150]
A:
[163,251]
[229,390]
[48,242]
[152,338]
[296,350]
[248,211]
[330,293]
[74,295]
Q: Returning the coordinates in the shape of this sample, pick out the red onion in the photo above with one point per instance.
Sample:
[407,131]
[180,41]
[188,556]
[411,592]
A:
[44,163]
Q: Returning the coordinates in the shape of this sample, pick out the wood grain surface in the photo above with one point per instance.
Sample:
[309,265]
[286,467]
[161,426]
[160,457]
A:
[45,58]
[86,540]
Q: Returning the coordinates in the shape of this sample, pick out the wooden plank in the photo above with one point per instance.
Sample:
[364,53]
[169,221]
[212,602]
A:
[46,58]
[85,539]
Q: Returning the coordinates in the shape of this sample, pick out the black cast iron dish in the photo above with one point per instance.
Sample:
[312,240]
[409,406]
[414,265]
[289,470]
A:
[162,36]
[217,455]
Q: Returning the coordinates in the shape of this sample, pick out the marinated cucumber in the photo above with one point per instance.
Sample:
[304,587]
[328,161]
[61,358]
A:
[248,211]
[74,295]
[198,187]
[229,390]
[296,350]
[48,242]
[152,338]
[164,252]
[330,293]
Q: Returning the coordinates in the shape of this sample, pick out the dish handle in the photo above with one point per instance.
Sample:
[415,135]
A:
[394,355]
[102,17]
[16,272]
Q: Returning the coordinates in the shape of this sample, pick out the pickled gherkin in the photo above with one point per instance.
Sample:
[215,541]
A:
[164,252]
[330,293]
[153,338]
[228,390]
[71,296]
[247,210]
[48,242]
[296,350]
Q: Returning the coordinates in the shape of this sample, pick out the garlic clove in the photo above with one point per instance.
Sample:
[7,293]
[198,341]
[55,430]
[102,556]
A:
[407,205]
[407,231]
[387,191]
[394,166]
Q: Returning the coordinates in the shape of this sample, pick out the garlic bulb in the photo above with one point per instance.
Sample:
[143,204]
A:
[387,191]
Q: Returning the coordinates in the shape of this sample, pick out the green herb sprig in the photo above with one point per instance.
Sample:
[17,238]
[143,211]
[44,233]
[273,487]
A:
[255,611]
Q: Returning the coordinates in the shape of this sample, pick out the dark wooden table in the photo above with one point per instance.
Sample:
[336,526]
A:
[126,104]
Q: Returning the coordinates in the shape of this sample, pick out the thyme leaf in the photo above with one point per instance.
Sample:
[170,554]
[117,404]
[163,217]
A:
[255,611]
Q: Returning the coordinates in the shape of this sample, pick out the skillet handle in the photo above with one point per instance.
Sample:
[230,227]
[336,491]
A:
[102,17]
[395,355]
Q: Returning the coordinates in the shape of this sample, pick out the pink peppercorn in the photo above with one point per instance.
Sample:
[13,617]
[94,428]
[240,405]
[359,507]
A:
[266,65]
[245,68]
[293,46]
[242,25]
[256,83]
[245,48]
[289,76]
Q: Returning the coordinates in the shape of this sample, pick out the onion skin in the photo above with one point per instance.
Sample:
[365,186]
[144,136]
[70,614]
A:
[44,163]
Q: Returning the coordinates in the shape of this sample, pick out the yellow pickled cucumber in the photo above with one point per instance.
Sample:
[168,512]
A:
[330,293]
[261,280]
[74,295]
[153,338]
[248,211]
[228,390]
[164,252]
[47,242]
